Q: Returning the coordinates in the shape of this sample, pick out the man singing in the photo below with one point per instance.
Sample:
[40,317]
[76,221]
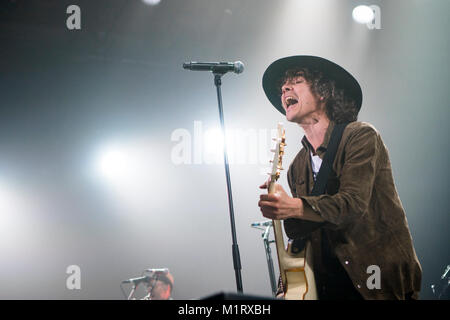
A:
[359,223]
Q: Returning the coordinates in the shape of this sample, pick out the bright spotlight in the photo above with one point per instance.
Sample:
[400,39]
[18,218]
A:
[151,2]
[214,145]
[363,14]
[213,140]
[113,162]
[129,170]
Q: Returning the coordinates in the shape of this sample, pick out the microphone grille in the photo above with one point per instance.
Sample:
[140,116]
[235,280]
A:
[238,67]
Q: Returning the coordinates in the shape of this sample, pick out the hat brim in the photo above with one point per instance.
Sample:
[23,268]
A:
[276,70]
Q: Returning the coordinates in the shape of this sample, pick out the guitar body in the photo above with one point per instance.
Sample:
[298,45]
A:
[296,271]
[295,268]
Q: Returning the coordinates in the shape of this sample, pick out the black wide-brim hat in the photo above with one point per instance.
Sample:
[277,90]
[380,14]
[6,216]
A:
[276,71]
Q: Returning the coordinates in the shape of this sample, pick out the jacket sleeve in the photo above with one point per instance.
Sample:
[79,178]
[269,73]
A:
[356,180]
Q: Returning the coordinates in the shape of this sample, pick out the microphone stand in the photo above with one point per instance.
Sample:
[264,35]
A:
[133,289]
[150,287]
[267,242]
[235,247]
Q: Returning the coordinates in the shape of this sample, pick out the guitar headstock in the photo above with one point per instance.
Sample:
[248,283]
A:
[278,153]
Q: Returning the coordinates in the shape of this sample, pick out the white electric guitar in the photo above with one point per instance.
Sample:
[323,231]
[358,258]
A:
[296,269]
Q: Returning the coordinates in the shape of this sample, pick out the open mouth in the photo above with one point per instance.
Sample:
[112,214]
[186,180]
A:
[290,101]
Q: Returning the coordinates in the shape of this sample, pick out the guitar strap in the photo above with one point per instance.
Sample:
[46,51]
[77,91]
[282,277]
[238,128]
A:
[323,175]
[327,162]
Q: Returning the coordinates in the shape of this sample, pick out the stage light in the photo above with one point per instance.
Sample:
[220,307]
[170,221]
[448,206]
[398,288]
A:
[214,140]
[114,162]
[125,164]
[363,14]
[151,2]
[130,171]
[214,146]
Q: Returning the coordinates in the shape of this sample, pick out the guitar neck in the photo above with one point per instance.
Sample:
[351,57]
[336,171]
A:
[278,234]
[271,188]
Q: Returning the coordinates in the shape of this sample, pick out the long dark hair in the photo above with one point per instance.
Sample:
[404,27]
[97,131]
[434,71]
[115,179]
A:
[339,107]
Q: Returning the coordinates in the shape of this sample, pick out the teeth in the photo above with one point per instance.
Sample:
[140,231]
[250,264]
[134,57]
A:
[290,101]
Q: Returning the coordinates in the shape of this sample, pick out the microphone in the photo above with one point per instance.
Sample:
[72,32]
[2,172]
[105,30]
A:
[147,278]
[138,280]
[262,224]
[215,67]
[158,270]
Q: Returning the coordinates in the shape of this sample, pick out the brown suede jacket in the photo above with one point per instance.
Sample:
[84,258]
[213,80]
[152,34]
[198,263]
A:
[361,214]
